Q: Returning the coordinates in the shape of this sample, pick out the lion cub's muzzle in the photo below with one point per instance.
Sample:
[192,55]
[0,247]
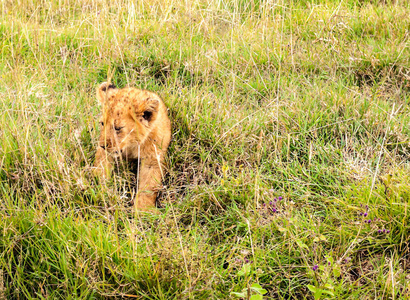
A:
[114,152]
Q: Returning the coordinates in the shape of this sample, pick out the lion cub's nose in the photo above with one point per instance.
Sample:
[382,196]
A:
[102,147]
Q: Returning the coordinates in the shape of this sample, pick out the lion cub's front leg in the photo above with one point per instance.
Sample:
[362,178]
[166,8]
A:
[149,182]
[103,164]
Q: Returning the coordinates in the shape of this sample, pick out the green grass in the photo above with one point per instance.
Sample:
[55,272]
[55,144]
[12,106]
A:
[307,100]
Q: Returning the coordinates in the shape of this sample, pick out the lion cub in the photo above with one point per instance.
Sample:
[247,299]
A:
[134,125]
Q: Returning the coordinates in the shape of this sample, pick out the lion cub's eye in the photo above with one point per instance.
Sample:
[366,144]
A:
[118,129]
[147,115]
[102,123]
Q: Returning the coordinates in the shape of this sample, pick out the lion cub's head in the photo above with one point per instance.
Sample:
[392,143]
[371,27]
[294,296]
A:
[129,115]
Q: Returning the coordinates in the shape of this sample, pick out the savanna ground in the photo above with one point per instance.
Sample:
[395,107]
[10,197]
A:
[304,100]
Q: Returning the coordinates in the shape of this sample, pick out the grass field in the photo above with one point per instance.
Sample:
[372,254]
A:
[289,170]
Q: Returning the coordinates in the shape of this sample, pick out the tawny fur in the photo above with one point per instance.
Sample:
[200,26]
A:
[134,125]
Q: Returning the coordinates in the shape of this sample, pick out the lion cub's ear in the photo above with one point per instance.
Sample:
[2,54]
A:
[104,91]
[151,104]
[148,110]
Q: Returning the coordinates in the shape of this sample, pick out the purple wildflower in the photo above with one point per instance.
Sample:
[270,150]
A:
[384,230]
[387,231]
[365,214]
[379,231]
[274,210]
[315,267]
[275,199]
[280,198]
[246,260]
[361,214]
